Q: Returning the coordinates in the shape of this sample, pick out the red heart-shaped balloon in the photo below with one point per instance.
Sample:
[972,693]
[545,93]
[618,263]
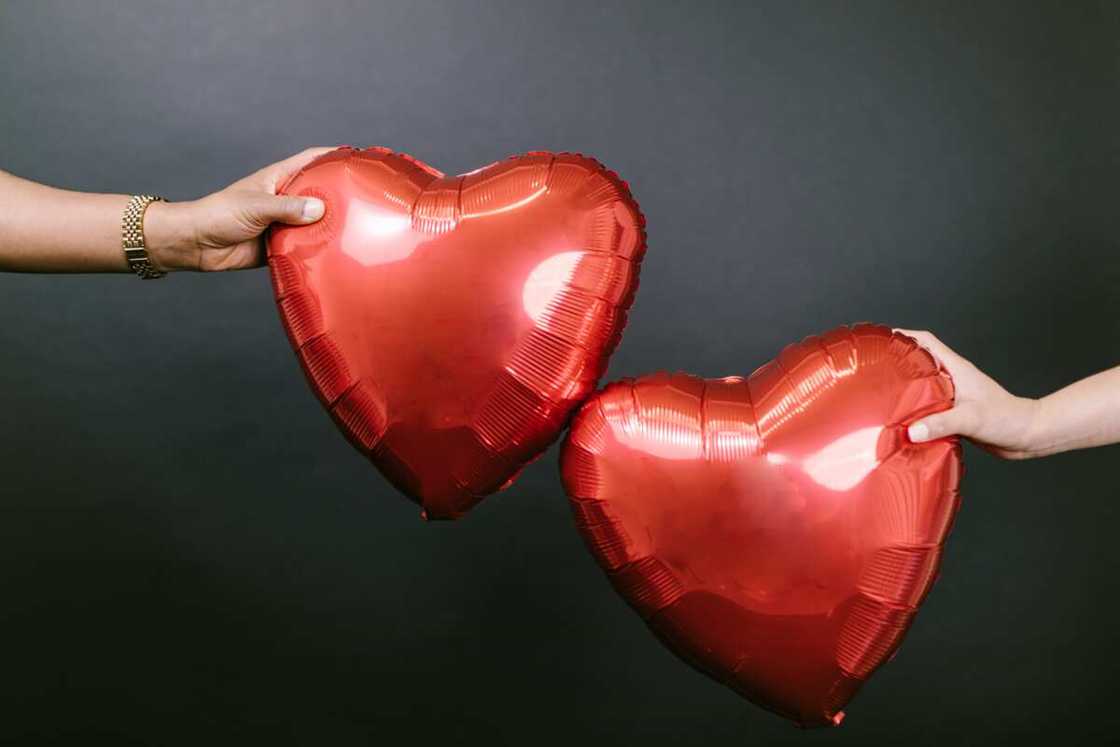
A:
[451,324]
[777,532]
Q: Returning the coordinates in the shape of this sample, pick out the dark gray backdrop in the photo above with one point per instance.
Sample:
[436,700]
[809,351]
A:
[188,549]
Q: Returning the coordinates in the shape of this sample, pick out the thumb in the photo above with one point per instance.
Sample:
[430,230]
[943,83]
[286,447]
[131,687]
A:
[958,421]
[267,209]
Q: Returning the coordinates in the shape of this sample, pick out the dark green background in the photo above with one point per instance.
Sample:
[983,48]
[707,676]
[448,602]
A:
[190,554]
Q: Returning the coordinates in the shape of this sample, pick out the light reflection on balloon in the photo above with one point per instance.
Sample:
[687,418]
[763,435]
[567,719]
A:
[547,282]
[366,221]
[844,463]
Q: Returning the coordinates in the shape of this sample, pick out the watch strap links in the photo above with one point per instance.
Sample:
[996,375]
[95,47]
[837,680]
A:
[132,237]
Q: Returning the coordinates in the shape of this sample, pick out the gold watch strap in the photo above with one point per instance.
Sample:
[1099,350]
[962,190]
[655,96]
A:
[132,237]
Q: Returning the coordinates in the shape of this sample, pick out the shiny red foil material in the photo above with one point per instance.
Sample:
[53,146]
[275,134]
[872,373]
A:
[451,324]
[777,532]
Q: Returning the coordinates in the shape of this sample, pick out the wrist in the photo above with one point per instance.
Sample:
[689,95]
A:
[1035,430]
[169,236]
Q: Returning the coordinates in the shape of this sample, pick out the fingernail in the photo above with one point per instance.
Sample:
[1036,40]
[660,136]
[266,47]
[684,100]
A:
[918,432]
[313,208]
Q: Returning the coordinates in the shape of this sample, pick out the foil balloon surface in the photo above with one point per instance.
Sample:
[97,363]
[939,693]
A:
[777,532]
[450,324]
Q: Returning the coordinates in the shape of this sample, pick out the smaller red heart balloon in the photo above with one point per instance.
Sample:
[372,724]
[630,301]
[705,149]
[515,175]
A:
[777,532]
[451,324]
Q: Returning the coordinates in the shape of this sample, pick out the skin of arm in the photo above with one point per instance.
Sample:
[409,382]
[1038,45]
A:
[44,229]
[1083,414]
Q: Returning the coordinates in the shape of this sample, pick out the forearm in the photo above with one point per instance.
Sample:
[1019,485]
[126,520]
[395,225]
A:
[1083,414]
[44,229]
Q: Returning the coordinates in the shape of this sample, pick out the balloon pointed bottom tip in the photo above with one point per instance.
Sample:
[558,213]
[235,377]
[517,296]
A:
[821,721]
[436,516]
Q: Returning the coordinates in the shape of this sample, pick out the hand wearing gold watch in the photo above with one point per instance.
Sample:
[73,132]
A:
[45,229]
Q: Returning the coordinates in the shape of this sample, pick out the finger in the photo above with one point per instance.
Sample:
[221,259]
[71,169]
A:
[292,164]
[941,352]
[960,420]
[263,209]
[272,175]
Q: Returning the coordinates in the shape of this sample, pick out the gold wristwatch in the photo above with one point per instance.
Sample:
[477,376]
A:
[132,237]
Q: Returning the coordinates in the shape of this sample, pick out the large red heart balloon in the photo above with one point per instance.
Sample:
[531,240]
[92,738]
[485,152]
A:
[777,532]
[450,325]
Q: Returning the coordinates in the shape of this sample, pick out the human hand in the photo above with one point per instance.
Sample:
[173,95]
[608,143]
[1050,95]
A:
[984,411]
[222,231]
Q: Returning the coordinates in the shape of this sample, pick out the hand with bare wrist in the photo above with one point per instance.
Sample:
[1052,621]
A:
[1083,414]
